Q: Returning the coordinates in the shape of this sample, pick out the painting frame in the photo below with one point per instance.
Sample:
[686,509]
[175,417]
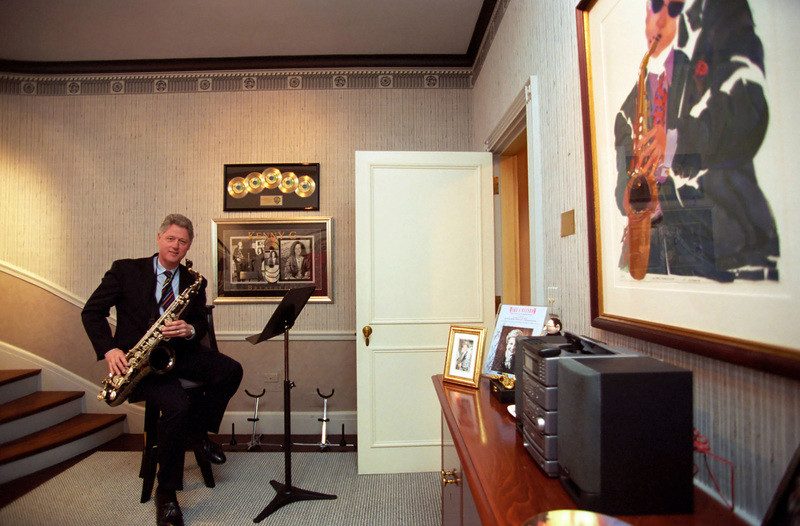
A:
[463,360]
[781,357]
[252,259]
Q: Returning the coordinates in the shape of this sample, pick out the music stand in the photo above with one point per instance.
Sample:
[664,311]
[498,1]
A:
[281,321]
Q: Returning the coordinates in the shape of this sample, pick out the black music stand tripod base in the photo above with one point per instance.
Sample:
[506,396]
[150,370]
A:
[287,496]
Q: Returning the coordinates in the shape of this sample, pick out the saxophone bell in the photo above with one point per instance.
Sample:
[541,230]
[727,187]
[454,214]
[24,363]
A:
[162,359]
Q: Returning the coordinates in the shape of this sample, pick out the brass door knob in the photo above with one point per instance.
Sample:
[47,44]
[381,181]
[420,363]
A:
[450,477]
[367,331]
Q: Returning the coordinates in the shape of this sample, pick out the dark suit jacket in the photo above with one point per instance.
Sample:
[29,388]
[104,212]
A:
[130,287]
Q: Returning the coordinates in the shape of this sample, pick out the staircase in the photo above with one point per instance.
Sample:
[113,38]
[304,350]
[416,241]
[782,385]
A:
[39,429]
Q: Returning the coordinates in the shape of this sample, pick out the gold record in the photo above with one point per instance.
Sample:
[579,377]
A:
[305,186]
[254,183]
[237,187]
[271,177]
[288,183]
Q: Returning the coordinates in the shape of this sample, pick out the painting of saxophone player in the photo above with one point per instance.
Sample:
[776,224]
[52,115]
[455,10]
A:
[697,209]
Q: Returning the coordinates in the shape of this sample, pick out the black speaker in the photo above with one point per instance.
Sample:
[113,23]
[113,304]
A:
[625,435]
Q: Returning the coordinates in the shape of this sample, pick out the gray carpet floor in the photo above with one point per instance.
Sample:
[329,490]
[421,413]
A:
[104,489]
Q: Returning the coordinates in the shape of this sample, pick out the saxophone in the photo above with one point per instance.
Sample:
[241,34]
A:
[641,193]
[149,355]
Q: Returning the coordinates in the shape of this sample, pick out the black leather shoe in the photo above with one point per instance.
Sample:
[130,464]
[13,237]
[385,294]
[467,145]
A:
[168,512]
[213,451]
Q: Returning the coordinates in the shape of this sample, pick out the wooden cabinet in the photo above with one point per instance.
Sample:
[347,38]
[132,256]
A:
[499,483]
[458,506]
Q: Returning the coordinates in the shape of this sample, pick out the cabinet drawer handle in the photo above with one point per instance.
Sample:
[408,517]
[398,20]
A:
[450,477]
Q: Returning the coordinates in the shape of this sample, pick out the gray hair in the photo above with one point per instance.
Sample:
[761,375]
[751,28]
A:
[177,220]
[515,333]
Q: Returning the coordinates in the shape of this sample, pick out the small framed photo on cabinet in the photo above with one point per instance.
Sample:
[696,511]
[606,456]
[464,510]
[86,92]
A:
[464,355]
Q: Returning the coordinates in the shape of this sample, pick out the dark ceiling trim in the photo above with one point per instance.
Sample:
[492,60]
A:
[236,63]
[262,63]
[485,16]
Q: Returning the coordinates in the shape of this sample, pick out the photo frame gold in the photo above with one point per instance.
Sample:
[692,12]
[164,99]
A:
[463,362]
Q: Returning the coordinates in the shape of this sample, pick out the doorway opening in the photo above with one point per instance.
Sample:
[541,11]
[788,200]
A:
[514,225]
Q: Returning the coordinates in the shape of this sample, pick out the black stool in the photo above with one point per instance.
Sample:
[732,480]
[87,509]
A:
[147,471]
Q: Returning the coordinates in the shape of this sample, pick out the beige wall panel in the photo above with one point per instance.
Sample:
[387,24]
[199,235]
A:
[750,417]
[87,179]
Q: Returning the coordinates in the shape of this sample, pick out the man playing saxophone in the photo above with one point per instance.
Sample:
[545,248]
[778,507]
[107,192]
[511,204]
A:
[706,116]
[140,290]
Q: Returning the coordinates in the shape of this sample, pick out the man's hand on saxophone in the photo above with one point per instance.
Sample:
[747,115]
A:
[653,145]
[177,329]
[115,359]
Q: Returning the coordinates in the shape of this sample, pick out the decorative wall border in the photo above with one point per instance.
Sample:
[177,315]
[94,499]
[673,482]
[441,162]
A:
[209,82]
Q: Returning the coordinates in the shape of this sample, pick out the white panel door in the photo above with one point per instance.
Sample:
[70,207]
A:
[424,261]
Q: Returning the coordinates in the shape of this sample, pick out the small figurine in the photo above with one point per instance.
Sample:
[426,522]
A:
[507,380]
[552,327]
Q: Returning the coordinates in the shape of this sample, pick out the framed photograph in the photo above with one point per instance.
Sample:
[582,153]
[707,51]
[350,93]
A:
[464,353]
[258,261]
[274,186]
[512,322]
[689,175]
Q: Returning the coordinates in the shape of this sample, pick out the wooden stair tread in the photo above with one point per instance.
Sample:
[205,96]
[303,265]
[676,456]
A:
[34,403]
[73,429]
[12,375]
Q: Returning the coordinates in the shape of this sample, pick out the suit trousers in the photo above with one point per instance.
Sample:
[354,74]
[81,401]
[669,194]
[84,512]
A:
[180,419]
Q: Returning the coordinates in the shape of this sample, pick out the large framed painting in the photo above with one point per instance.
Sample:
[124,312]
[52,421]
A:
[258,261]
[688,114]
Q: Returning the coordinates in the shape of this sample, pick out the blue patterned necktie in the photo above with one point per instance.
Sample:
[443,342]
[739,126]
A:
[167,294]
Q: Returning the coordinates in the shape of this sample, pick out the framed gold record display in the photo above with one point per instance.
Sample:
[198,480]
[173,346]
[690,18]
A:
[275,186]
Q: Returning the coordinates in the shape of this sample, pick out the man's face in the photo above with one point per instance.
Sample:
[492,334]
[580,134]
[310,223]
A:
[660,24]
[173,244]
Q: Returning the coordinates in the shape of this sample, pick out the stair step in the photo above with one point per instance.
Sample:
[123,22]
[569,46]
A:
[17,383]
[35,403]
[57,435]
[12,375]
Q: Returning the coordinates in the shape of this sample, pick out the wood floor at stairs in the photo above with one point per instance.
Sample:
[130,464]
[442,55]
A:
[35,403]
[57,435]
[12,375]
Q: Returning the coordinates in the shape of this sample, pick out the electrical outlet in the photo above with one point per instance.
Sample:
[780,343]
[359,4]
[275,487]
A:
[272,382]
